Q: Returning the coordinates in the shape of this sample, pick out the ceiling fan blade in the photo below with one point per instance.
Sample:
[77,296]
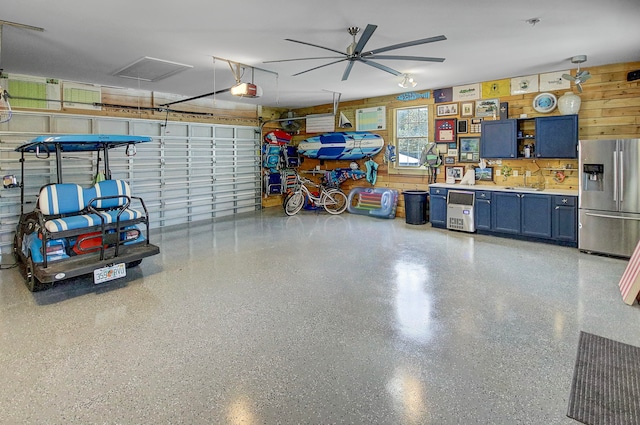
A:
[381,67]
[364,38]
[303,59]
[404,58]
[568,77]
[317,67]
[408,44]
[579,86]
[584,75]
[347,71]
[315,45]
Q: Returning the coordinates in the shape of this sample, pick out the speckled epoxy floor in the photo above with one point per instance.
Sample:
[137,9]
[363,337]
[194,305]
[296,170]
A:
[312,319]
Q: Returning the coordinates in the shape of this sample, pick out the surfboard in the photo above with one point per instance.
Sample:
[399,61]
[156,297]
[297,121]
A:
[342,145]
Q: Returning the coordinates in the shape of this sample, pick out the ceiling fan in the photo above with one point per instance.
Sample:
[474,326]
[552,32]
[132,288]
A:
[356,53]
[581,76]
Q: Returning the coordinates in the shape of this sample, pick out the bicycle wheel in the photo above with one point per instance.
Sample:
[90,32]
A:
[334,201]
[294,203]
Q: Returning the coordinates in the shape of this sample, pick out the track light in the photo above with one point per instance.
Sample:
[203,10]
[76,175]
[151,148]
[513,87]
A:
[407,82]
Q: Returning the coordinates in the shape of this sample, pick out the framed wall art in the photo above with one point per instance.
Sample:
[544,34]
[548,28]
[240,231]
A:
[487,107]
[449,160]
[466,109]
[455,172]
[484,174]
[445,130]
[463,126]
[469,149]
[447,109]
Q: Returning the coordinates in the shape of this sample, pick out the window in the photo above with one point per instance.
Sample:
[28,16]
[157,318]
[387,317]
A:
[412,135]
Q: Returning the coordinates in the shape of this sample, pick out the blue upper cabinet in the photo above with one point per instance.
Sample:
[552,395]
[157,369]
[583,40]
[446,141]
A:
[550,137]
[557,137]
[498,139]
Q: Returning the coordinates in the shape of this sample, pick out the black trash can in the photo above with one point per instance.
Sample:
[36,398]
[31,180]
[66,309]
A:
[415,206]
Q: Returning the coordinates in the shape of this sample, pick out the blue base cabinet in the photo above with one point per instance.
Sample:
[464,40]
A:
[565,223]
[482,209]
[505,214]
[438,207]
[535,217]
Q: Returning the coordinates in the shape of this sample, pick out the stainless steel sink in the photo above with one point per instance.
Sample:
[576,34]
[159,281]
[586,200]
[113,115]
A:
[524,189]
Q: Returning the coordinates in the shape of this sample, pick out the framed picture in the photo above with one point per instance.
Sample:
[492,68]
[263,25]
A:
[445,130]
[487,108]
[449,160]
[463,126]
[466,109]
[455,172]
[476,125]
[447,109]
[469,149]
[484,174]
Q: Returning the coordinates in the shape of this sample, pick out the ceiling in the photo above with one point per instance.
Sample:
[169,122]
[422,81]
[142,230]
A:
[486,40]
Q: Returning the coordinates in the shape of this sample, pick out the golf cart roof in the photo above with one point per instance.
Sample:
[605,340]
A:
[80,142]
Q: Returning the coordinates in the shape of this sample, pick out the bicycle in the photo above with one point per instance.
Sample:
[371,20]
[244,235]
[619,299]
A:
[333,200]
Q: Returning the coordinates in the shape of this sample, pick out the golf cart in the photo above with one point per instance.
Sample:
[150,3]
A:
[77,230]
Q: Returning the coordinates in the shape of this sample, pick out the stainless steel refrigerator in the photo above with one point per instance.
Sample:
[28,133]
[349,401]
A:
[609,203]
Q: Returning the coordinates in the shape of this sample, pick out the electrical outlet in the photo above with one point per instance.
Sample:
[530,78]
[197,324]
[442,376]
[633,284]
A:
[515,173]
[498,173]
[527,173]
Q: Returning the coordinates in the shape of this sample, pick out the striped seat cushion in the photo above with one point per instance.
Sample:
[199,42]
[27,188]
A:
[72,200]
[64,198]
[88,220]
[111,188]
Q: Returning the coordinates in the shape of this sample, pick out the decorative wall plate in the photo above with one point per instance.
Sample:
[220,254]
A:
[545,103]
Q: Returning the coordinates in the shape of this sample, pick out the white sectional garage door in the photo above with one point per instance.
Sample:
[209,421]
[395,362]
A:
[189,172]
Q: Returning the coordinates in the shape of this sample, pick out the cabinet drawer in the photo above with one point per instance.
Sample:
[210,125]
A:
[565,200]
[483,194]
[437,191]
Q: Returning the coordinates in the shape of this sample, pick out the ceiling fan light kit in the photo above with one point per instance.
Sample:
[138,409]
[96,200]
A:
[407,82]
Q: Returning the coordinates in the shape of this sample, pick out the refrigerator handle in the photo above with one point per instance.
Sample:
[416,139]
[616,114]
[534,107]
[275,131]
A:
[615,177]
[621,176]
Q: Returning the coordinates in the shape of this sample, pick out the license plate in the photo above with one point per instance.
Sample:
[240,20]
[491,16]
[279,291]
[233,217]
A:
[108,273]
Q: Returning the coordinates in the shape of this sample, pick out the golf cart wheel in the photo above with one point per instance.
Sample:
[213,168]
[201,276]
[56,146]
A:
[16,250]
[31,280]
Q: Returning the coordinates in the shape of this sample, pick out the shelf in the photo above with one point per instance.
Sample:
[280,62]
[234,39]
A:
[558,169]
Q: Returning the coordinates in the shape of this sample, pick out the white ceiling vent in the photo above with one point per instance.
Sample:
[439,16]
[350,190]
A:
[151,69]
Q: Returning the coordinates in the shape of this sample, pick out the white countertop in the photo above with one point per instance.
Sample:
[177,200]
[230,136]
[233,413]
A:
[561,192]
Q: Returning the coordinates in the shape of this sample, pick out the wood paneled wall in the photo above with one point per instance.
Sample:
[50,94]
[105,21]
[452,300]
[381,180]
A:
[610,109]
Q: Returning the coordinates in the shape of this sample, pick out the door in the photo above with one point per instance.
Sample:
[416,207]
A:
[438,207]
[608,232]
[597,191]
[536,215]
[498,139]
[505,212]
[629,154]
[557,137]
[483,210]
